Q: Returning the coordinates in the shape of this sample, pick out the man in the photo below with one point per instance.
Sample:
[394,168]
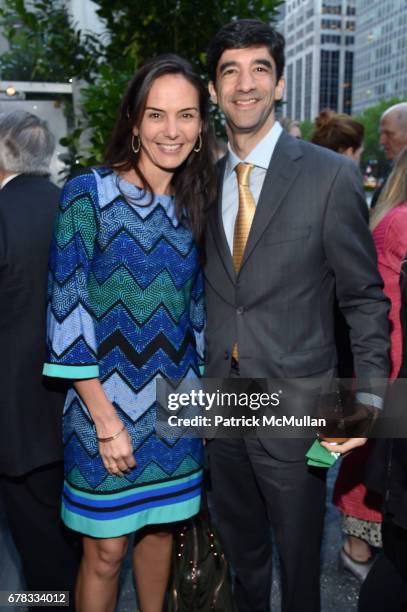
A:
[393,130]
[31,469]
[393,136]
[288,232]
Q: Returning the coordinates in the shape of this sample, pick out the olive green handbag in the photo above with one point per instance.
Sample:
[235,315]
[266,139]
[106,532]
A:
[200,579]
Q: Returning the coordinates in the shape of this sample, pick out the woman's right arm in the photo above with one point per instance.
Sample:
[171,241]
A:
[71,335]
[117,454]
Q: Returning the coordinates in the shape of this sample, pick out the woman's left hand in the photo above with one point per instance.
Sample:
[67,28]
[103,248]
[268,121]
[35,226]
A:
[346,447]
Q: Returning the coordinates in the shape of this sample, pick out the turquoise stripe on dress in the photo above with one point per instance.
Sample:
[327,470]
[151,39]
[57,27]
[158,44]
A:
[71,372]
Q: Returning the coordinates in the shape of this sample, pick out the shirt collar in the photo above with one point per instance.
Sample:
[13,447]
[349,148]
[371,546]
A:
[260,156]
[8,179]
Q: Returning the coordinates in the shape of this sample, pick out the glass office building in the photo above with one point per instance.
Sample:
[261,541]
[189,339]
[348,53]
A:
[380,66]
[320,36]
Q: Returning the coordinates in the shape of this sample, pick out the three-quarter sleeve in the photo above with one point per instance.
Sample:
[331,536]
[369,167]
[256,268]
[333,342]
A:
[197,315]
[71,339]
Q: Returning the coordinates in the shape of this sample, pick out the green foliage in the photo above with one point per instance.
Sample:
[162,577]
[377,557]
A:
[370,118]
[44,45]
[141,29]
[101,103]
[307,129]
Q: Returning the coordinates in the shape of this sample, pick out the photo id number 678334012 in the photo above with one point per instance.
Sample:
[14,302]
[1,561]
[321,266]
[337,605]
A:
[14,599]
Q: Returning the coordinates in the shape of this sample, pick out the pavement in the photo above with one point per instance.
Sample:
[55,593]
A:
[339,590]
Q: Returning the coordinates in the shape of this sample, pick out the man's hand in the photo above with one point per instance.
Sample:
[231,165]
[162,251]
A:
[360,419]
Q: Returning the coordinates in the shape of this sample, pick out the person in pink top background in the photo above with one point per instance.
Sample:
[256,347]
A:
[359,505]
[389,227]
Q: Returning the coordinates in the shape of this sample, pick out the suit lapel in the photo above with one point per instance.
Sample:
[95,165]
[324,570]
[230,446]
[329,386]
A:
[281,174]
[216,222]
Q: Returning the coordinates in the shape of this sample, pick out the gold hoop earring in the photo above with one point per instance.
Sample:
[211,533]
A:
[133,148]
[197,149]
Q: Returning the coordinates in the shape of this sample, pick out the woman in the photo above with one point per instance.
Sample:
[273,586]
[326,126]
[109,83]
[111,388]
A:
[386,586]
[389,226]
[126,306]
[360,509]
[340,133]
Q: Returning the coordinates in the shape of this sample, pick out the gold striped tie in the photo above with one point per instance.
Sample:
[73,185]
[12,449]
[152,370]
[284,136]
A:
[244,219]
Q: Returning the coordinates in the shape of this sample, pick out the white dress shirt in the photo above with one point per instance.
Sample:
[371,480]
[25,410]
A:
[8,179]
[260,157]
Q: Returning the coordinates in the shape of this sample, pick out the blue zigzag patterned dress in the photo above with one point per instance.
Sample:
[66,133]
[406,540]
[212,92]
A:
[125,305]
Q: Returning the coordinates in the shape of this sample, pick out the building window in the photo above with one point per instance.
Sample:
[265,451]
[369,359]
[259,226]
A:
[328,94]
[330,38]
[335,9]
[330,24]
[349,40]
[308,86]
[347,85]
[298,88]
[290,90]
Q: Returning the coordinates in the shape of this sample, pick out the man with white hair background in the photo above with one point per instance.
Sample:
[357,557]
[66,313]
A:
[31,473]
[393,136]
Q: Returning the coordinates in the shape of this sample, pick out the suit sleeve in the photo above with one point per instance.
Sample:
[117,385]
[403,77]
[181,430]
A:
[351,255]
[71,339]
[2,247]
[197,315]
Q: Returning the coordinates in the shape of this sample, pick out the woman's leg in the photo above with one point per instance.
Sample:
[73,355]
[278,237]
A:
[357,548]
[151,562]
[96,587]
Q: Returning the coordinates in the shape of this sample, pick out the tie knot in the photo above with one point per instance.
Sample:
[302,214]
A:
[243,171]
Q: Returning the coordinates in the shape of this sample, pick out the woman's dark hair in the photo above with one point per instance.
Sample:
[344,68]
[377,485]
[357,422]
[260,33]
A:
[337,131]
[194,182]
[241,34]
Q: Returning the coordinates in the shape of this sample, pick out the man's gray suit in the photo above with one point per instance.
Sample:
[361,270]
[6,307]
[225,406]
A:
[309,240]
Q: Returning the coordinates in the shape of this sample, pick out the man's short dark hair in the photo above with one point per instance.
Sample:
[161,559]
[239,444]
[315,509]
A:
[244,33]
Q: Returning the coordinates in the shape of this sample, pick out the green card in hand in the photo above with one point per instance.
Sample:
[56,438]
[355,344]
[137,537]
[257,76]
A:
[318,456]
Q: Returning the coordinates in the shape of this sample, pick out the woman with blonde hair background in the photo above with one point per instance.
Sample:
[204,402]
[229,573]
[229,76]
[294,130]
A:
[386,586]
[389,227]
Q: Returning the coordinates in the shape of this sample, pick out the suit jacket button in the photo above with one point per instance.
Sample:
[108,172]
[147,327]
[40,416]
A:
[240,310]
[227,355]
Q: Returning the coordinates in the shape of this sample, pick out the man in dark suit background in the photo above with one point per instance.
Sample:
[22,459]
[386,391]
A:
[289,232]
[31,468]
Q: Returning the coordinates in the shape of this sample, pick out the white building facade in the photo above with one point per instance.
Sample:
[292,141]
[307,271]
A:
[320,36]
[380,67]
